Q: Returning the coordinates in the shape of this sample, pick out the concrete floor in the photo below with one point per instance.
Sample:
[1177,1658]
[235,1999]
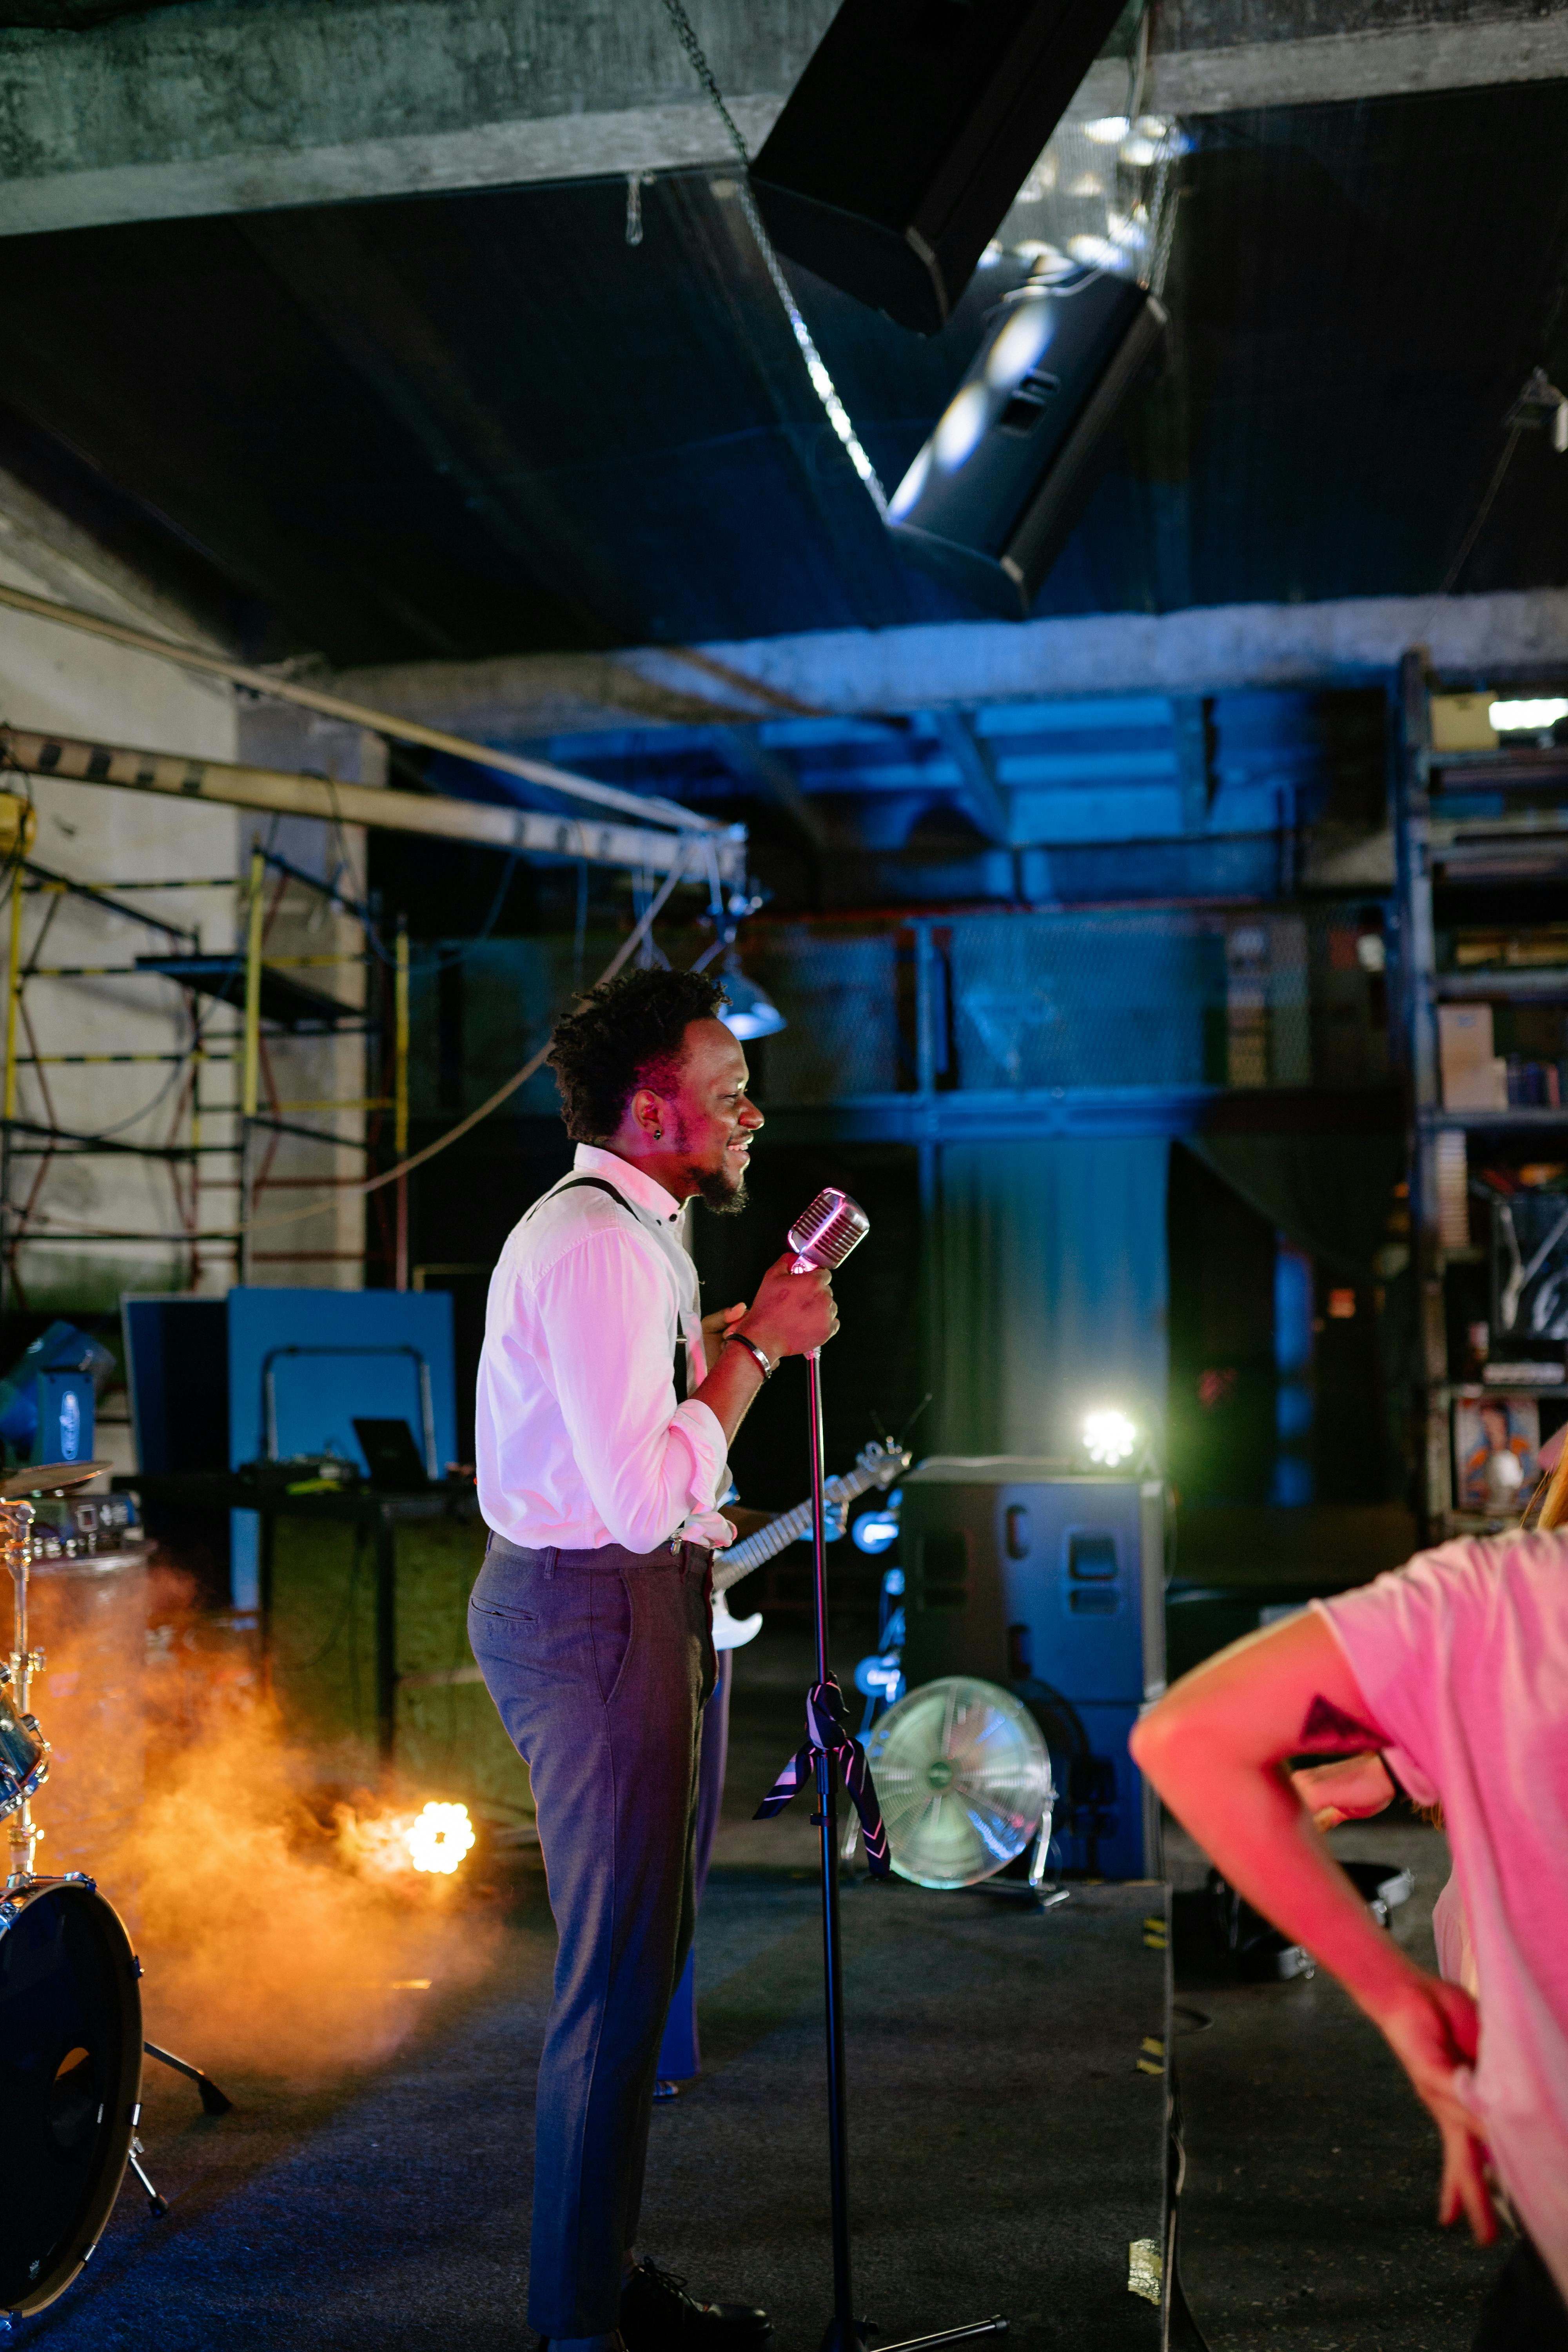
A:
[1309,2223]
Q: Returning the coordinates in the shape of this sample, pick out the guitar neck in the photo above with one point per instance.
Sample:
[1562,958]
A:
[780,1533]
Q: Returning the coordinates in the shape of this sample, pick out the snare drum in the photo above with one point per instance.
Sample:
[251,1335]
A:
[24,1755]
[70,2081]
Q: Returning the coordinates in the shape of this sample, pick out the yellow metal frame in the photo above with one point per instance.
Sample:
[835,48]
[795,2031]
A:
[250,1089]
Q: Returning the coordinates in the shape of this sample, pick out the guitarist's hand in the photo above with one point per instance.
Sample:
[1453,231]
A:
[746,1522]
[792,1313]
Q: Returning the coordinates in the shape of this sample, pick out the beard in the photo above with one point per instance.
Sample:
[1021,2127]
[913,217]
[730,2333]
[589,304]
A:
[716,1192]
[714,1189]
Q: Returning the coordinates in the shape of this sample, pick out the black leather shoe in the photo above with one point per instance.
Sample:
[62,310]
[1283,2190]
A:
[658,2315]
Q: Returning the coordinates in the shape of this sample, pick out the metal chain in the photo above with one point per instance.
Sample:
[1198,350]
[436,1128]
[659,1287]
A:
[821,383]
[1162,211]
[688,41]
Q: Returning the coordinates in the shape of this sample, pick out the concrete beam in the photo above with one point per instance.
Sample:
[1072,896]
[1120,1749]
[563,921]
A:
[523,831]
[235,106]
[1425,48]
[862,672]
[240,105]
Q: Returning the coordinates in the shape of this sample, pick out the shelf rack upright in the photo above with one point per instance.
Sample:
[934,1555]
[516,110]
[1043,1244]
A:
[1443,837]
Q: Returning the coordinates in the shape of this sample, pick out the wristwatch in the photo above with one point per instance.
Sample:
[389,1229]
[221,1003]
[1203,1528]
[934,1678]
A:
[739,1339]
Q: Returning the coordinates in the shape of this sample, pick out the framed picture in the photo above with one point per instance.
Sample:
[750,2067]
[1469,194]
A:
[1495,1441]
[1530,1272]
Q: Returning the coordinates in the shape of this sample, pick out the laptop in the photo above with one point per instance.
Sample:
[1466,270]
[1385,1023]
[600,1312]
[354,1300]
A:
[396,1464]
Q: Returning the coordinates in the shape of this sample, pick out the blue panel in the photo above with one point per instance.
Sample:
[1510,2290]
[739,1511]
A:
[176,1364]
[1117,1851]
[1023,769]
[358,1352]
[1292,1482]
[1072,1562]
[1059,819]
[1075,714]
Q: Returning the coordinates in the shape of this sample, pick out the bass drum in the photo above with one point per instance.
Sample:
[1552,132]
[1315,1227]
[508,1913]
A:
[70,2081]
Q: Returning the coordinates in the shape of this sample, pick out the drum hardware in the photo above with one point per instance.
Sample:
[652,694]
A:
[71,2046]
[212,2100]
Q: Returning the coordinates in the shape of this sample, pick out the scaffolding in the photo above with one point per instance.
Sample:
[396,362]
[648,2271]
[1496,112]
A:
[221,1189]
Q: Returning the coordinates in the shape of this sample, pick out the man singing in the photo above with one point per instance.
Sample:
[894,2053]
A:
[590,1618]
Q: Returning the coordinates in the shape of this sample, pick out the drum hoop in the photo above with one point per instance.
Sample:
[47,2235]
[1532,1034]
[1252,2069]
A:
[125,2097]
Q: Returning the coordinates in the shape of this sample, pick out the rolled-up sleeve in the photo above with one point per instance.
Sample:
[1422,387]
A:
[649,1464]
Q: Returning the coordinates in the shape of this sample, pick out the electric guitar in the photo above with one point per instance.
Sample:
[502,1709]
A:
[877,1464]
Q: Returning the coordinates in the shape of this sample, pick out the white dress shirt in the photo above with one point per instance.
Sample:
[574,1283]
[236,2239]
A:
[579,1440]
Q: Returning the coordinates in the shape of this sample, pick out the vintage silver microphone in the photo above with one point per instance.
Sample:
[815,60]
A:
[825,1234]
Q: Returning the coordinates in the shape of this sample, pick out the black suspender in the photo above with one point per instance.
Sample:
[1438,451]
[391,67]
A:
[597,1184]
[584,1184]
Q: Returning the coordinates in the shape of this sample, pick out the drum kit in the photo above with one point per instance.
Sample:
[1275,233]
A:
[71,2004]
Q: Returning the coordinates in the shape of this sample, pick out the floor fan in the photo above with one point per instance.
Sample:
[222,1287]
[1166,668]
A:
[963,1778]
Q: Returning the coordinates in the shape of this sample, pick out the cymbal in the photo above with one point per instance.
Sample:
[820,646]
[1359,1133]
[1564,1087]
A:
[43,1478]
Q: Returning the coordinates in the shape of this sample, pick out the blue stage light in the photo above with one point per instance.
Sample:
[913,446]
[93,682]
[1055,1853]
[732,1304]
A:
[876,1531]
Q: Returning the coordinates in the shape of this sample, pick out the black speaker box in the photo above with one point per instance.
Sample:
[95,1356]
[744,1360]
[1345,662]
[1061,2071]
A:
[1054,1587]
[909,136]
[989,503]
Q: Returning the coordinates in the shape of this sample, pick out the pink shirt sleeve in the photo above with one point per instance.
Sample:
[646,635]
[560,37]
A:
[1392,1632]
[648,1463]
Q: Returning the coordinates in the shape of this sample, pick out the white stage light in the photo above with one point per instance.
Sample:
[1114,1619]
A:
[1109,1437]
[1525,718]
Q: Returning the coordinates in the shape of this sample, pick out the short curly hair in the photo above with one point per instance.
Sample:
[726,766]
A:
[628,1033]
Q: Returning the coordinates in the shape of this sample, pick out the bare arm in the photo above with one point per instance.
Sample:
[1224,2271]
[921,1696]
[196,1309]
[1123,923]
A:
[1215,1748]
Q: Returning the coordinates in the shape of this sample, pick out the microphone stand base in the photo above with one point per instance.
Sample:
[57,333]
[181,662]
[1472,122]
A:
[833,2341]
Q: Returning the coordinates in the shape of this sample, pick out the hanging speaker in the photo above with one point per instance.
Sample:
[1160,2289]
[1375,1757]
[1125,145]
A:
[909,136]
[991,500]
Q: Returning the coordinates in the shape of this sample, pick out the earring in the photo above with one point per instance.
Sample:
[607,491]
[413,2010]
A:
[658,1135]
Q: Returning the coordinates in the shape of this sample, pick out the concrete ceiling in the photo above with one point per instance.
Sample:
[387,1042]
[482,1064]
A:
[468,444]
[474,426]
[214,106]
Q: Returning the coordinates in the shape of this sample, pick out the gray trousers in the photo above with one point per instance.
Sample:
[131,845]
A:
[600,1664]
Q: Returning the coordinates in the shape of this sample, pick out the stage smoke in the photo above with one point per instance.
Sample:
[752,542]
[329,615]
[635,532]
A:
[283,1930]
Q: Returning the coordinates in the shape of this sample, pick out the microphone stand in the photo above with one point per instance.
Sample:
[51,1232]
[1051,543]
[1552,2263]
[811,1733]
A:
[844,2333]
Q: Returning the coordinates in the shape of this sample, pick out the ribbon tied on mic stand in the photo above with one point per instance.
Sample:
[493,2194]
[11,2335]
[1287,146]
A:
[822,1238]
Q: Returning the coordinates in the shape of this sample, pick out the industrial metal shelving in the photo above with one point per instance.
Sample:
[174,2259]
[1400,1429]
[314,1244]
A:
[1447,833]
